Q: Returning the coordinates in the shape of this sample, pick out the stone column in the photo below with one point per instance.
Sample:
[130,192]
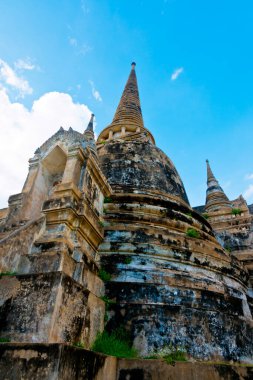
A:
[33,169]
[73,167]
[123,131]
[110,134]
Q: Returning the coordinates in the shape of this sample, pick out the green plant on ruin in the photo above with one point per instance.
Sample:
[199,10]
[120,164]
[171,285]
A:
[107,200]
[228,248]
[170,355]
[127,260]
[107,301]
[177,355]
[163,212]
[104,275]
[205,215]
[4,340]
[189,214]
[101,223]
[152,356]
[191,232]
[104,210]
[106,317]
[79,344]
[7,274]
[236,211]
[116,344]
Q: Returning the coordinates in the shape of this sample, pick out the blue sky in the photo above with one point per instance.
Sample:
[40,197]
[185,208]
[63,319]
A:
[56,55]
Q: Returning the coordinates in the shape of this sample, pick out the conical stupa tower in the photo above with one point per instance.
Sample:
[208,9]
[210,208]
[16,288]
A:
[215,197]
[168,274]
[129,108]
[162,178]
[89,130]
[127,121]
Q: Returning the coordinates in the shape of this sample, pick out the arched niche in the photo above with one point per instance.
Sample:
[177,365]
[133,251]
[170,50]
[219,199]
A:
[49,175]
[53,166]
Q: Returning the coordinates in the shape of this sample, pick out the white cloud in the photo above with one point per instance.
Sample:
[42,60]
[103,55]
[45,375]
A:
[84,7]
[25,64]
[72,41]
[95,92]
[23,130]
[84,49]
[249,176]
[248,193]
[80,48]
[10,78]
[176,73]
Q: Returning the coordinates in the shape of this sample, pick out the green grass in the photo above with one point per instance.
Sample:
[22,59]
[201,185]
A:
[205,215]
[170,355]
[115,344]
[236,211]
[107,200]
[127,260]
[191,232]
[107,300]
[176,355]
[106,317]
[5,340]
[101,223]
[105,276]
[79,344]
[7,274]
[151,357]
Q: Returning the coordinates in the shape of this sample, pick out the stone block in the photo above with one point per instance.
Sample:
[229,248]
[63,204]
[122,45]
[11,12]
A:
[47,307]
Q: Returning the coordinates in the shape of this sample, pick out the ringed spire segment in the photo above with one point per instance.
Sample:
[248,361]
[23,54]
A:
[129,108]
[127,120]
[210,175]
[90,125]
[215,196]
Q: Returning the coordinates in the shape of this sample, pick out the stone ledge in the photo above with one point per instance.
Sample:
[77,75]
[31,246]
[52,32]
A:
[157,370]
[53,361]
[64,362]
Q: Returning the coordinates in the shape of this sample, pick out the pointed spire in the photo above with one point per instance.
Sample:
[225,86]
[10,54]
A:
[127,122]
[210,176]
[90,125]
[89,132]
[215,196]
[89,138]
[129,108]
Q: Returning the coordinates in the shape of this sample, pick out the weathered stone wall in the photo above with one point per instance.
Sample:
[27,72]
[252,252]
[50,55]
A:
[61,362]
[48,307]
[167,286]
[140,166]
[153,370]
[18,243]
[50,290]
[54,362]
